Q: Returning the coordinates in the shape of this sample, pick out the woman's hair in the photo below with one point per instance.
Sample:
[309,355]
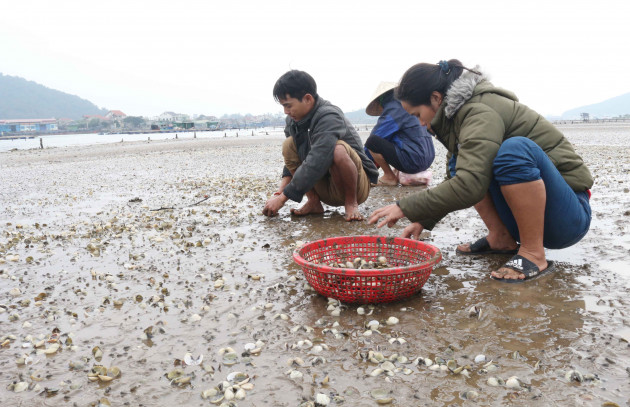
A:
[421,80]
[296,84]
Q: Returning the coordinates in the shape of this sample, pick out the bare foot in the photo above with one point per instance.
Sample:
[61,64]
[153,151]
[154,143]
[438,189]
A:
[392,182]
[465,248]
[507,273]
[505,242]
[352,213]
[309,208]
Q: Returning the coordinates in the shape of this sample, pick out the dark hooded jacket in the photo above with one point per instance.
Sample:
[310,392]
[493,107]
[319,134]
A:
[316,137]
[472,122]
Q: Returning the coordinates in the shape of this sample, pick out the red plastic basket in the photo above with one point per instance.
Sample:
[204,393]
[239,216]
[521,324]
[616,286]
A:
[413,262]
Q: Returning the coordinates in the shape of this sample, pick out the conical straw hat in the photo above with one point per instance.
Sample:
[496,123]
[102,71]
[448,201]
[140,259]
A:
[375,108]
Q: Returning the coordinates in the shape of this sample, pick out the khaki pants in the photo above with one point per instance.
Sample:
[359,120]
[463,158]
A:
[328,192]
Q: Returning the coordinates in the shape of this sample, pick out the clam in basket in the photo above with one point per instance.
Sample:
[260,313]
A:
[409,265]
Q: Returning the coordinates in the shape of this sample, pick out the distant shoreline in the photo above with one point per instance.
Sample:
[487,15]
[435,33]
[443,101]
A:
[30,134]
[590,121]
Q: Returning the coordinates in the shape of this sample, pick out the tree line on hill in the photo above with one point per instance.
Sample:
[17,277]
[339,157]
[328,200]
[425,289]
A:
[23,99]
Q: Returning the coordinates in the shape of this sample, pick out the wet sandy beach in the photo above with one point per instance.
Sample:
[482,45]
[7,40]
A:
[86,261]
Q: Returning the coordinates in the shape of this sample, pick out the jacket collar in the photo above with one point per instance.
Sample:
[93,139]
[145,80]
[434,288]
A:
[310,114]
[461,91]
[439,125]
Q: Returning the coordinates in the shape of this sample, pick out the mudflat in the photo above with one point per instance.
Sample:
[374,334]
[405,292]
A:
[95,272]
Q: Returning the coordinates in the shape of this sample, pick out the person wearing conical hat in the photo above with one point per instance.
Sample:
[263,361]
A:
[398,139]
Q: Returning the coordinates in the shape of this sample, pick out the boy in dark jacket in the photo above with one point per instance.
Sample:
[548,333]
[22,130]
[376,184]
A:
[323,154]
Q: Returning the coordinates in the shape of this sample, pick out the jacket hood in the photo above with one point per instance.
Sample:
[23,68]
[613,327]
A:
[470,84]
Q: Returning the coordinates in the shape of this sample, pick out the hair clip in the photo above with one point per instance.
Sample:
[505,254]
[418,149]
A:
[444,67]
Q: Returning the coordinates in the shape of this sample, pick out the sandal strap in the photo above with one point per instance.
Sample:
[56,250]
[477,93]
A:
[480,244]
[522,265]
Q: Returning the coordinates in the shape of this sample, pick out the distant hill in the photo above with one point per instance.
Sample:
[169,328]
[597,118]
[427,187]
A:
[360,117]
[617,106]
[23,99]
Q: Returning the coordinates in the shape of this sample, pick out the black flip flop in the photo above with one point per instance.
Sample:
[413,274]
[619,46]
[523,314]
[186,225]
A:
[522,265]
[481,246]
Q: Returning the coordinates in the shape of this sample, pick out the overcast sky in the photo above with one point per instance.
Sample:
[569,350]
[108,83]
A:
[211,57]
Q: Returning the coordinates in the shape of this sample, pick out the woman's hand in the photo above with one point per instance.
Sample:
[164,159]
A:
[412,231]
[390,213]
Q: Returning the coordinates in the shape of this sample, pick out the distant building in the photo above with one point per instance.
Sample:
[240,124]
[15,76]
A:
[206,124]
[172,117]
[95,116]
[28,125]
[184,125]
[115,114]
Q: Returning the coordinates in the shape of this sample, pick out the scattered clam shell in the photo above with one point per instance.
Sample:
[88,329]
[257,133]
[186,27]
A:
[574,376]
[391,321]
[24,360]
[469,395]
[295,362]
[480,358]
[373,325]
[229,358]
[381,396]
[247,386]
[321,399]
[190,360]
[182,380]
[209,393]
[20,387]
[237,377]
[52,349]
[494,382]
[173,374]
[377,372]
[513,383]
[240,394]
[97,353]
[111,374]
[474,311]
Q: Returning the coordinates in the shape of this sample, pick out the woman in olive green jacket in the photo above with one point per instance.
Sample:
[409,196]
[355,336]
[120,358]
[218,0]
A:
[519,172]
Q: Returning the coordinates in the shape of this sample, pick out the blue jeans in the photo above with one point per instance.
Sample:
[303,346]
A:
[567,213]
